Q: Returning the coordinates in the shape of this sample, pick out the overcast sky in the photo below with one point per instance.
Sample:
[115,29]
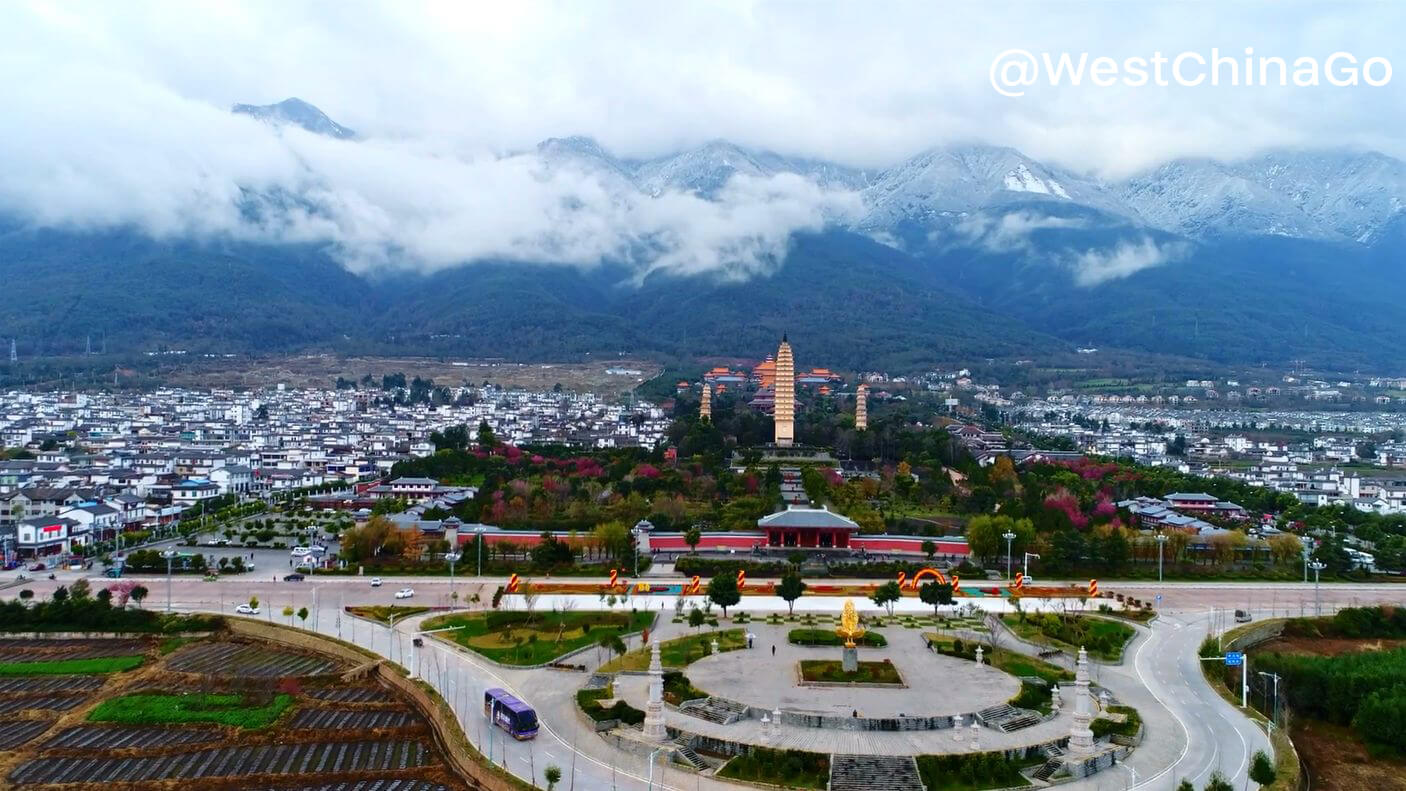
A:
[119,111]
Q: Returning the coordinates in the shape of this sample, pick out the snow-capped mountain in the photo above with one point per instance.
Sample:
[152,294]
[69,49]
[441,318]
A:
[1203,198]
[706,169]
[299,113]
[952,181]
[1327,195]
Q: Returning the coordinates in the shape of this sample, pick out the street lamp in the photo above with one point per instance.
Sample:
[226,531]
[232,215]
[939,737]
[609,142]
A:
[1274,710]
[1009,537]
[651,766]
[1025,564]
[452,557]
[478,538]
[1161,540]
[635,534]
[169,554]
[1317,566]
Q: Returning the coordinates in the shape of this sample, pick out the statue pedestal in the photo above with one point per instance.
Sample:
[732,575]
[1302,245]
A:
[850,661]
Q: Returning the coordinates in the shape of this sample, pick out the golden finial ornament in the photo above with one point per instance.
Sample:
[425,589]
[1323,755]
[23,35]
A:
[849,629]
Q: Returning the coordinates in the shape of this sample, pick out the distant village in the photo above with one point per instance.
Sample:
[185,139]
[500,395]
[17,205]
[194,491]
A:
[100,464]
[104,464]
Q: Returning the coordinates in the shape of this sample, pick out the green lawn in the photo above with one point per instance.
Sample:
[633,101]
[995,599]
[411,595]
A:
[1102,726]
[519,638]
[1017,664]
[680,651]
[785,768]
[61,667]
[972,772]
[383,614]
[1103,638]
[832,671]
[828,637]
[218,709]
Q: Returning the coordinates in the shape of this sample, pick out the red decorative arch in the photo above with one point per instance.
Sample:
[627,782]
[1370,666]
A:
[927,572]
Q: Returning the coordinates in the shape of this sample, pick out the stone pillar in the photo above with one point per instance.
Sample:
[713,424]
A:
[850,661]
[976,736]
[714,646]
[1081,738]
[654,729]
[979,654]
[957,728]
[1054,699]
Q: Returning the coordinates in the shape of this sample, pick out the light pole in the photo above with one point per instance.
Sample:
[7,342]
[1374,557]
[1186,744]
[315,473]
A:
[452,557]
[1025,564]
[1161,540]
[1009,537]
[635,534]
[1274,710]
[478,539]
[170,555]
[1317,566]
[651,766]
[1305,564]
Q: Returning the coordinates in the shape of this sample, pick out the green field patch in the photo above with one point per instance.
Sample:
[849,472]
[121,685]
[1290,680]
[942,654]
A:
[784,768]
[680,651]
[828,637]
[973,772]
[72,667]
[520,638]
[383,614]
[1103,638]
[219,709]
[832,671]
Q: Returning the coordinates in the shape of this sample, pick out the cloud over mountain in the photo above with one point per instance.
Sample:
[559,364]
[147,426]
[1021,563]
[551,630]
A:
[409,203]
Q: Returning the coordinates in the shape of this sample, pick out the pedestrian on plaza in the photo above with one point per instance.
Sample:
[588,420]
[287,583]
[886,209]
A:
[773,650]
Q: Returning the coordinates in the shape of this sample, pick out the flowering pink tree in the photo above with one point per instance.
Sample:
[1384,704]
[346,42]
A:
[121,592]
[1063,501]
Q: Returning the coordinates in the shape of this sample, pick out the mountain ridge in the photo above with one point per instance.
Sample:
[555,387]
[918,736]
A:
[959,249]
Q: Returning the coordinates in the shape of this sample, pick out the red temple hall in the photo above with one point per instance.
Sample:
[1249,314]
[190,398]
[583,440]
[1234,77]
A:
[799,526]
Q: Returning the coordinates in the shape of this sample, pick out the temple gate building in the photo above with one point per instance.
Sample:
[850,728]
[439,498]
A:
[800,526]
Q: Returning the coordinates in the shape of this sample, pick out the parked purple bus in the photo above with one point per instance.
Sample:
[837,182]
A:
[509,713]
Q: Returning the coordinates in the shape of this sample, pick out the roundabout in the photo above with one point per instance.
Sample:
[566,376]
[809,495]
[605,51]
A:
[936,685]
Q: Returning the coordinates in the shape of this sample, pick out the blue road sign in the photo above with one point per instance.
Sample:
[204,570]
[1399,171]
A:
[1159,597]
[1234,658]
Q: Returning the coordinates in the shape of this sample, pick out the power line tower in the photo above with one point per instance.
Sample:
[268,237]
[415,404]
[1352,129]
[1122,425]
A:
[14,357]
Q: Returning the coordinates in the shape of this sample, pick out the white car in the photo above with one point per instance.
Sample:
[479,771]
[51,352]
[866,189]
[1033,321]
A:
[375,582]
[298,552]
[245,609]
[405,593]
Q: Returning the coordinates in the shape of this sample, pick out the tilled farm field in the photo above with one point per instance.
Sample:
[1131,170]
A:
[187,716]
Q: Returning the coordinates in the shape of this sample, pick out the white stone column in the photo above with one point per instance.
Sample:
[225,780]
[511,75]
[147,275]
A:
[654,729]
[1081,738]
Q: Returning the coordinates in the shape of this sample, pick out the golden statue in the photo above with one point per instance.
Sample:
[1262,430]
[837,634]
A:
[849,625]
